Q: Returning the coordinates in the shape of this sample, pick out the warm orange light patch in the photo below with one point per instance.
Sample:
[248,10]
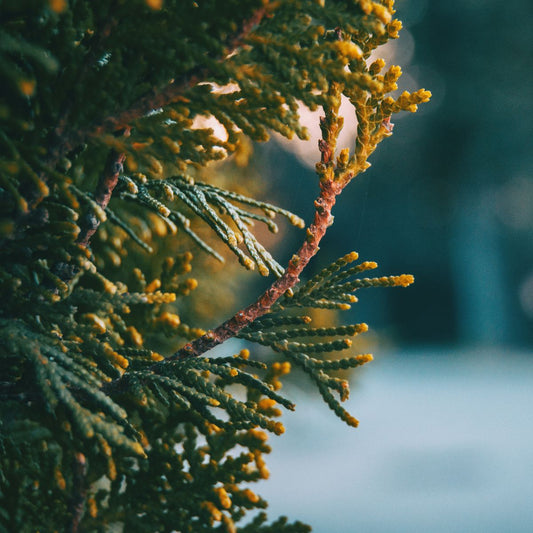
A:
[27,87]
[60,480]
[92,507]
[156,5]
[58,6]
[224,498]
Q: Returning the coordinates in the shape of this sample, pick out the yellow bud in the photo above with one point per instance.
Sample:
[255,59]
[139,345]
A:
[285,367]
[99,212]
[159,226]
[248,263]
[169,193]
[58,6]
[60,480]
[135,336]
[172,145]
[263,270]
[156,5]
[224,498]
[377,66]
[349,50]
[170,319]
[258,434]
[266,403]
[111,469]
[156,356]
[191,284]
[394,28]
[139,146]
[404,280]
[92,508]
[343,158]
[97,323]
[382,13]
[215,513]
[153,286]
[121,361]
[138,449]
[27,87]
[279,429]
[132,187]
[365,358]
[351,421]
[250,495]
[164,210]
[422,95]
[366,6]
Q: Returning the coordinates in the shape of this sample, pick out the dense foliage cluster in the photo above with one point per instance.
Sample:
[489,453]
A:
[106,196]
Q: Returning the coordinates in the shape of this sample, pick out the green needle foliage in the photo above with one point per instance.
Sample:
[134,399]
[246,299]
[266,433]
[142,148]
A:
[115,415]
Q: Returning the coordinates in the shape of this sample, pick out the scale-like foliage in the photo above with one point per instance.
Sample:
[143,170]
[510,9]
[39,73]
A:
[328,289]
[105,197]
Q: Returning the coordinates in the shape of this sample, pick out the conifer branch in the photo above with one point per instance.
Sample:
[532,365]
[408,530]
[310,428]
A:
[330,187]
[113,168]
[155,99]
[67,141]
[86,395]
[329,190]
[175,89]
[96,46]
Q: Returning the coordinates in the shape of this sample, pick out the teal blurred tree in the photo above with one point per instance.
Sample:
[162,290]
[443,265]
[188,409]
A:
[114,413]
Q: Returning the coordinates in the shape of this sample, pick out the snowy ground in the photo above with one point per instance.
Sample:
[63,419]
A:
[445,445]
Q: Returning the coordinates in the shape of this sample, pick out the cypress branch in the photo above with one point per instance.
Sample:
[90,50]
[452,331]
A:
[104,189]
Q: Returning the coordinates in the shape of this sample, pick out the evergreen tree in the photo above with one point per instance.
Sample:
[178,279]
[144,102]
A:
[114,414]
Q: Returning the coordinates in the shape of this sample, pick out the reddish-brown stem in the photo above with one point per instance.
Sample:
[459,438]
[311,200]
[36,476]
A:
[329,190]
[67,141]
[108,180]
[90,222]
[157,98]
[112,170]
[79,492]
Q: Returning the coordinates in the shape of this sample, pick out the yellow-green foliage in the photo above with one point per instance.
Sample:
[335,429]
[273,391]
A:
[107,211]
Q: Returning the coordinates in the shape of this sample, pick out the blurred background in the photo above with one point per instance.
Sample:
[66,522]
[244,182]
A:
[446,409]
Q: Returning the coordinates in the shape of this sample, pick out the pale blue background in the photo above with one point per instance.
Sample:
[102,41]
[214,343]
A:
[445,445]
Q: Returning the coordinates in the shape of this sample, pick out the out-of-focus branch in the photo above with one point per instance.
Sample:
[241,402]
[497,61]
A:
[79,493]
[156,98]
